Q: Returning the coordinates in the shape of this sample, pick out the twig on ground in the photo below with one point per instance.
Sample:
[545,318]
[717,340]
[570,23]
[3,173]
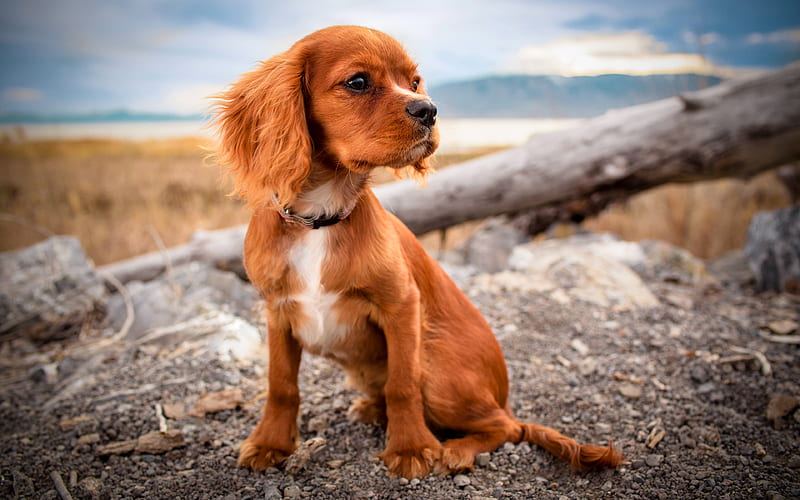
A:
[781,339]
[142,389]
[162,420]
[61,488]
[130,313]
[736,358]
[766,368]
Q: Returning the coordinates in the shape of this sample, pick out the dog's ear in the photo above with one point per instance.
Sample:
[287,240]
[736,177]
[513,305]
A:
[263,135]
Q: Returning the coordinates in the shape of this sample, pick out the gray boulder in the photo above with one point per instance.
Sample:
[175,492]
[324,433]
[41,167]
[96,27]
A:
[193,290]
[773,249]
[48,290]
[489,248]
[593,269]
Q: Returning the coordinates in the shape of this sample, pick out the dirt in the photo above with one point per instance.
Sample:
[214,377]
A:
[661,382]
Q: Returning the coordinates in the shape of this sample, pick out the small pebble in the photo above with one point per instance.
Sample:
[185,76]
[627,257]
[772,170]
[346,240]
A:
[292,491]
[579,346]
[705,388]
[699,374]
[630,391]
[654,460]
[89,438]
[272,493]
[461,480]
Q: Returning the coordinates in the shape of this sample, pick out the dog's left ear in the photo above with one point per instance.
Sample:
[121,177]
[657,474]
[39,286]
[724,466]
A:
[263,134]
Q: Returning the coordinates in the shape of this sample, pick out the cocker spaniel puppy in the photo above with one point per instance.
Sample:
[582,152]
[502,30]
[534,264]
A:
[345,279]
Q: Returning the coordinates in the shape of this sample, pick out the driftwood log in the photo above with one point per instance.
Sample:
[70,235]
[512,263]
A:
[222,248]
[736,129]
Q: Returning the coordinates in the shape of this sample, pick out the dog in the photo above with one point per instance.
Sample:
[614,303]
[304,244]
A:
[345,279]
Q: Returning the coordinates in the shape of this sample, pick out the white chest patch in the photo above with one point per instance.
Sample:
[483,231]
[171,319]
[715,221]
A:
[319,329]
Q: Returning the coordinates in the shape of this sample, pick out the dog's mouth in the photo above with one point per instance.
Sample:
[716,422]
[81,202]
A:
[403,158]
[413,154]
[420,150]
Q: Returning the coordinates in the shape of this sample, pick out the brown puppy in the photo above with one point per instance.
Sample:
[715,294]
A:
[345,279]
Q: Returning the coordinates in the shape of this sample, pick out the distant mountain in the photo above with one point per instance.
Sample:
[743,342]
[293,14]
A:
[109,116]
[528,96]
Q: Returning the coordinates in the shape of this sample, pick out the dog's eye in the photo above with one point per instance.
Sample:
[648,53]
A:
[415,84]
[358,83]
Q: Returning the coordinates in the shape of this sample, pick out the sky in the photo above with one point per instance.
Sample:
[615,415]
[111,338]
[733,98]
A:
[84,56]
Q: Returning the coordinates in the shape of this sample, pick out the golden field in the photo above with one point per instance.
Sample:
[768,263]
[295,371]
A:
[108,193]
[707,218]
[115,194]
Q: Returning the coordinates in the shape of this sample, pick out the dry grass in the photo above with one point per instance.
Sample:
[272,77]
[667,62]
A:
[109,192]
[707,218]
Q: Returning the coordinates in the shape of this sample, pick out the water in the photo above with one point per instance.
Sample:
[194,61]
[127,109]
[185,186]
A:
[126,130]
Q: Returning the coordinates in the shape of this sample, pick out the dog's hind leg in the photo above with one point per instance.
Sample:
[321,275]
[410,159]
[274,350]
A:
[488,434]
[484,435]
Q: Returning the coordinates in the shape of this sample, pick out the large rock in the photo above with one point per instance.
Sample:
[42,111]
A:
[193,290]
[773,249]
[48,290]
[732,267]
[198,308]
[592,269]
[489,248]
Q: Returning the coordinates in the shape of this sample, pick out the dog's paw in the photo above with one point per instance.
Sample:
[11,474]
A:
[367,411]
[454,460]
[411,463]
[259,457]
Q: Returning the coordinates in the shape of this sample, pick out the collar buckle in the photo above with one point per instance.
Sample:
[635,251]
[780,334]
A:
[309,222]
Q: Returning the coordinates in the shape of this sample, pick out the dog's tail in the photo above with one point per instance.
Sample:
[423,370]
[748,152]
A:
[580,456]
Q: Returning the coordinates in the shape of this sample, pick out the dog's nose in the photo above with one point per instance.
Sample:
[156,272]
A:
[422,110]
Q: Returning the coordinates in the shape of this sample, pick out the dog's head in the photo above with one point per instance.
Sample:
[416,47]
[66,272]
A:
[344,96]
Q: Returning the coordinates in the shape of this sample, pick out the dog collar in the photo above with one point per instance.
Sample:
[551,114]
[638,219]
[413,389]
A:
[310,222]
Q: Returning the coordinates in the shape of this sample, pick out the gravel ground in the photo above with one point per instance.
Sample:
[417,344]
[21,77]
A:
[667,384]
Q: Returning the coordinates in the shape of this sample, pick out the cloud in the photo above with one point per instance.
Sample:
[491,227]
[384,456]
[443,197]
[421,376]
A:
[631,52]
[22,94]
[782,36]
[87,55]
[693,39]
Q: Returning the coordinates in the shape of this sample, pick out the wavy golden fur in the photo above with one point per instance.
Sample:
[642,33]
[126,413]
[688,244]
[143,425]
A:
[306,128]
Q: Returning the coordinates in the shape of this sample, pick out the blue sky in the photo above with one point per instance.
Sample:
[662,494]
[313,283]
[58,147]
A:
[82,56]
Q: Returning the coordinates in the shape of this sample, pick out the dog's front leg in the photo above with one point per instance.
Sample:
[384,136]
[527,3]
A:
[274,439]
[411,448]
